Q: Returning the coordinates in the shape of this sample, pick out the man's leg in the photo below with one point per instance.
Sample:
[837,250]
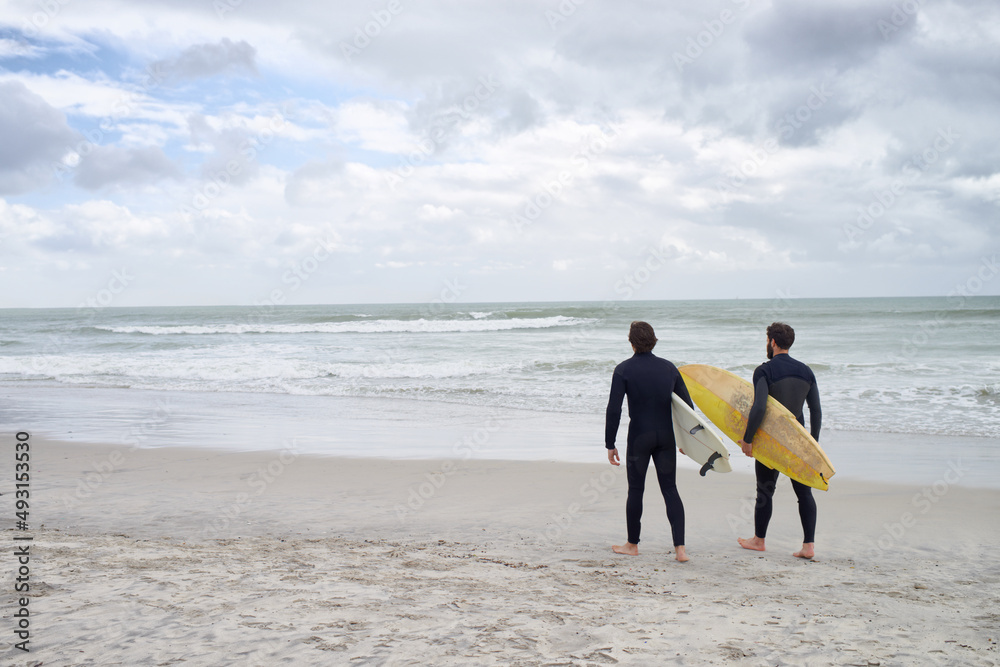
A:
[665,460]
[807,513]
[766,481]
[636,464]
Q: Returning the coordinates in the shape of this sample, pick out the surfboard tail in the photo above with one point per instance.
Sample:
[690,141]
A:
[710,464]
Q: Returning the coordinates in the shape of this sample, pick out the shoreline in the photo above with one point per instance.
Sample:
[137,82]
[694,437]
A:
[411,429]
[501,562]
[101,472]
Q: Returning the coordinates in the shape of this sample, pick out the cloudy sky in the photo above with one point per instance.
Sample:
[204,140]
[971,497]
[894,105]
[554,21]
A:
[176,152]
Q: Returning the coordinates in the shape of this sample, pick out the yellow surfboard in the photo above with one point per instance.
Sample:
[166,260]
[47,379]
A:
[781,442]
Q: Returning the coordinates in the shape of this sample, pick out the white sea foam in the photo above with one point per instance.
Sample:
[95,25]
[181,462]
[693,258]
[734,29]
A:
[229,370]
[373,326]
[876,371]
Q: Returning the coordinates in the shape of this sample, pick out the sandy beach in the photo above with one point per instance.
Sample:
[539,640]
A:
[197,557]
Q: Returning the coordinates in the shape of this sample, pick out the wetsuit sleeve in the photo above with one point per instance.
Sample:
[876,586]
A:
[613,416]
[815,413]
[756,415]
[681,390]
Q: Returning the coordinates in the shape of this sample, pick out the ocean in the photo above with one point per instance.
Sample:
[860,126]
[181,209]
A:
[919,366]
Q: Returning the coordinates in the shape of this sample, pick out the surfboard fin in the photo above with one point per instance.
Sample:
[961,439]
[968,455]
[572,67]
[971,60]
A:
[710,464]
[697,428]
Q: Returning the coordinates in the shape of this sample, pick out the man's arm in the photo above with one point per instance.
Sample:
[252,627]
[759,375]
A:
[681,390]
[613,416]
[815,412]
[756,415]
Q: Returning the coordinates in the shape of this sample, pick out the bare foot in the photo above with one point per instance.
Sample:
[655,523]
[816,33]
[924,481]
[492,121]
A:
[808,551]
[682,556]
[754,543]
[627,549]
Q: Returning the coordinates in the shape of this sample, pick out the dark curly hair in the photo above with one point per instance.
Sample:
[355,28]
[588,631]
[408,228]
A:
[782,335]
[641,335]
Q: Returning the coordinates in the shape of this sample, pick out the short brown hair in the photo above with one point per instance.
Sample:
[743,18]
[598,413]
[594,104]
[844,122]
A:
[782,335]
[641,335]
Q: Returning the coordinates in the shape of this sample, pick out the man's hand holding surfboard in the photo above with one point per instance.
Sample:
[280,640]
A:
[747,447]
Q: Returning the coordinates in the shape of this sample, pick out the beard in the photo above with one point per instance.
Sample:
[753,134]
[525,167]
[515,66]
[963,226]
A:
[770,351]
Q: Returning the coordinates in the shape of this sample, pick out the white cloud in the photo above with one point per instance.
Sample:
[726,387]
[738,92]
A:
[376,126]
[206,60]
[985,188]
[35,138]
[420,153]
[10,48]
[430,212]
[104,166]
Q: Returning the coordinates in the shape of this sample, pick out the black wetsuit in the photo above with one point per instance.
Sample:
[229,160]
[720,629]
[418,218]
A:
[648,381]
[792,384]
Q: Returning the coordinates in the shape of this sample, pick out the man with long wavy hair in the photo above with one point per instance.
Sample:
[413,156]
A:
[648,381]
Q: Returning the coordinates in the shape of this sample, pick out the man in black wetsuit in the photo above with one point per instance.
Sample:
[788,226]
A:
[792,383]
[648,381]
